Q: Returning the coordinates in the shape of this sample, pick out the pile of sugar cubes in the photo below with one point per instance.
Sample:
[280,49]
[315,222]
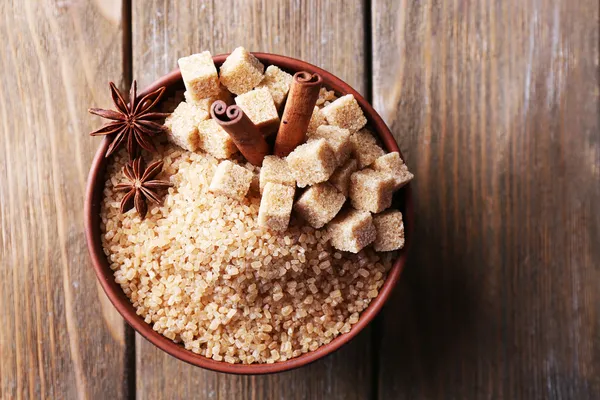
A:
[347,180]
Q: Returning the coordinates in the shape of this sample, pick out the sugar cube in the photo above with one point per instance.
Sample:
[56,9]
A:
[338,138]
[390,231]
[276,206]
[365,148]
[319,204]
[316,119]
[275,169]
[258,105]
[371,190]
[341,177]
[199,75]
[278,83]
[215,140]
[231,180]
[241,71]
[345,113]
[352,230]
[182,126]
[312,162]
[393,164]
[205,104]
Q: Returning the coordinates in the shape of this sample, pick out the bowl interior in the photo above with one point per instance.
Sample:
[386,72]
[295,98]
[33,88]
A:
[95,186]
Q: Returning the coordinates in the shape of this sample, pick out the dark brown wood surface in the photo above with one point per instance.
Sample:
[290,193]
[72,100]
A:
[495,105]
[59,335]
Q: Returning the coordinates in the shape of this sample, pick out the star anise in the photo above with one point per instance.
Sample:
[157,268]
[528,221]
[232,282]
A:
[132,122]
[141,186]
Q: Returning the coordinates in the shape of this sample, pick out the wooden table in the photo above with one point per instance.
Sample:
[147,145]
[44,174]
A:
[495,105]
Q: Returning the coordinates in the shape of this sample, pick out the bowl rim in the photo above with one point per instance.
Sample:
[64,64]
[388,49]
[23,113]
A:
[93,196]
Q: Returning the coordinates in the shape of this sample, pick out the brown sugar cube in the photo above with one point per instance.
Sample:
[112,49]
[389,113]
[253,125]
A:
[231,180]
[352,230]
[199,75]
[345,113]
[205,104]
[319,204]
[390,231]
[365,148]
[276,206]
[182,126]
[258,105]
[393,164]
[241,71]
[338,138]
[214,140]
[278,83]
[276,170]
[371,190]
[316,119]
[255,170]
[341,177]
[312,162]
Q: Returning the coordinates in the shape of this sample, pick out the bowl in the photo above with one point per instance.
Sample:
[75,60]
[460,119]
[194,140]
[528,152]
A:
[93,198]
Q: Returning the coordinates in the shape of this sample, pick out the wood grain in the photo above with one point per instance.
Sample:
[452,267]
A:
[495,105]
[328,34]
[58,336]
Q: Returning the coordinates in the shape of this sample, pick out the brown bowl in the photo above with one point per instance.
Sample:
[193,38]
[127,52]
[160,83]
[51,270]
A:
[93,197]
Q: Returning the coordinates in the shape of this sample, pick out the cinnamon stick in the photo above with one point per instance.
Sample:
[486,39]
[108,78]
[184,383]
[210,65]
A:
[299,107]
[243,132]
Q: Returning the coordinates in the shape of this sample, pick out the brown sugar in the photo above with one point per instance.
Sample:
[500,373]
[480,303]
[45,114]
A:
[312,162]
[275,170]
[317,119]
[365,148]
[182,126]
[258,105]
[345,113]
[231,180]
[352,230]
[393,164]
[325,97]
[199,75]
[278,83]
[214,140]
[319,204]
[341,177]
[371,190]
[205,103]
[390,231]
[276,206]
[338,138]
[241,71]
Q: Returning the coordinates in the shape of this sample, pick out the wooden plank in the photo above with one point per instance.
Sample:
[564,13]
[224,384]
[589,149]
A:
[495,105]
[328,34]
[59,336]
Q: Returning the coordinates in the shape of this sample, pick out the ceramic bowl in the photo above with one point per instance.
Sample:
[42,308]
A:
[93,197]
